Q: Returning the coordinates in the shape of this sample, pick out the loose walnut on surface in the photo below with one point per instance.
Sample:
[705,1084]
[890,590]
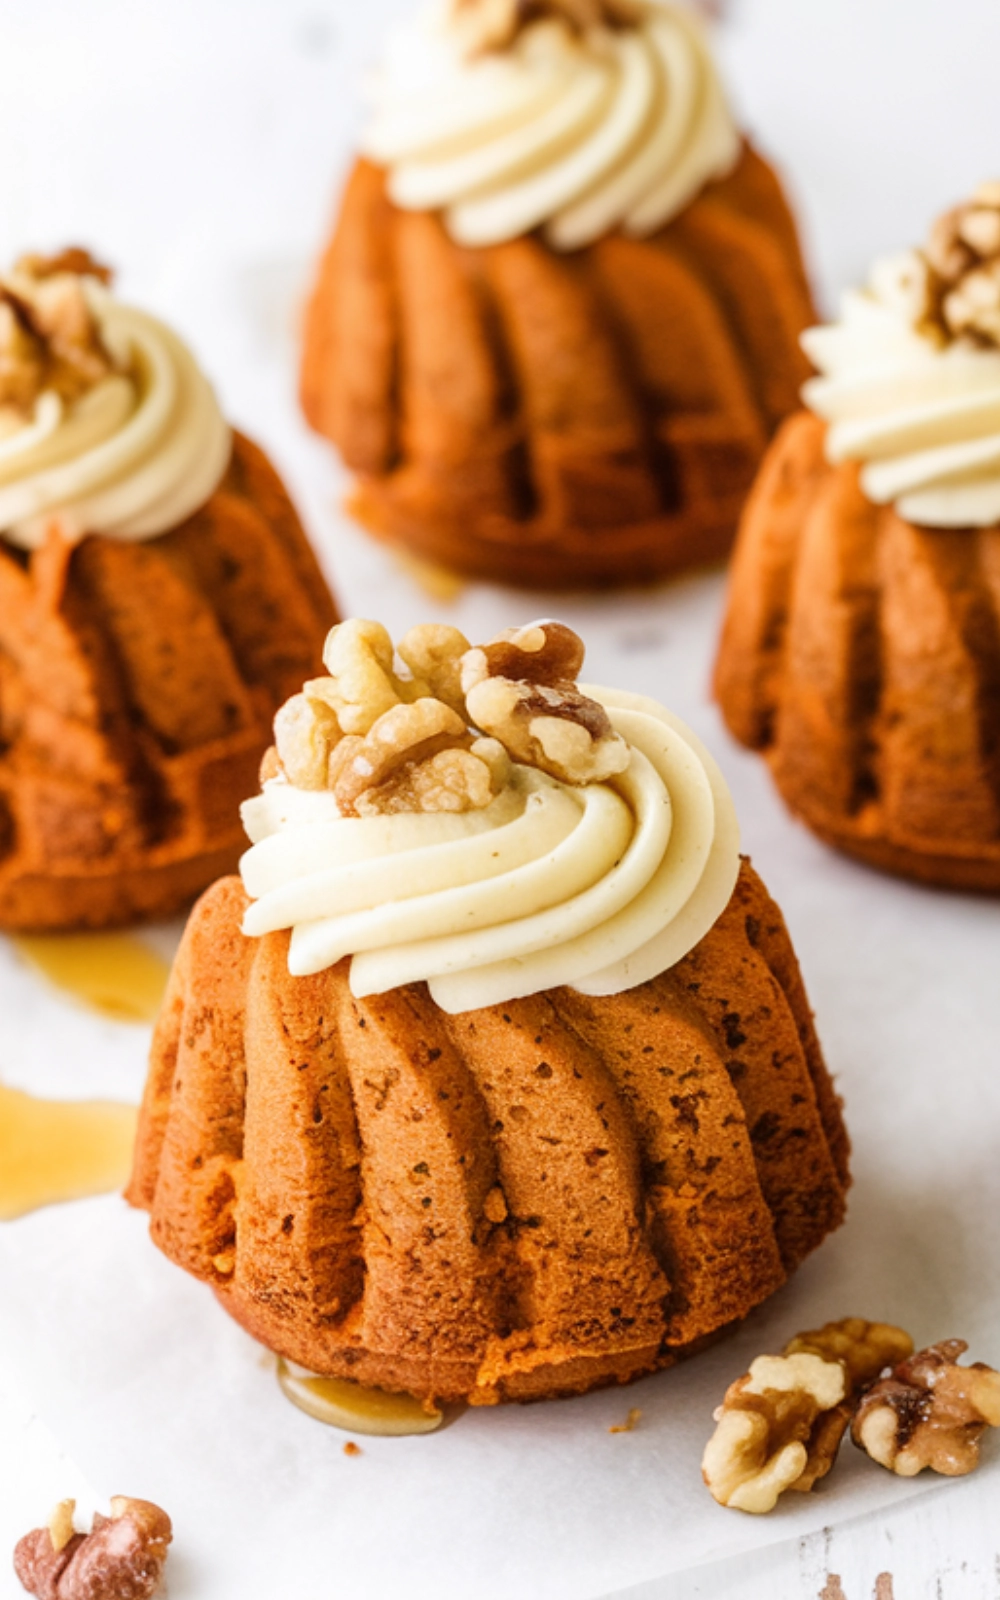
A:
[929,1412]
[121,1558]
[781,1426]
[770,1429]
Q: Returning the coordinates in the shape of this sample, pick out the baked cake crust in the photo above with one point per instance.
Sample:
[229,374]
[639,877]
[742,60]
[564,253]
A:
[524,1201]
[542,419]
[137,686]
[861,656]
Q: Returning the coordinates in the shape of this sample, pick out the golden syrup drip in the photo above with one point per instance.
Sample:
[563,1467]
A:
[113,973]
[347,1405]
[435,582]
[52,1150]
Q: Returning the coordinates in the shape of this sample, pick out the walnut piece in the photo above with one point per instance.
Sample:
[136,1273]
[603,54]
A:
[520,689]
[121,1558]
[416,757]
[929,1412]
[433,652]
[865,1349]
[49,336]
[497,24]
[770,1429]
[963,261]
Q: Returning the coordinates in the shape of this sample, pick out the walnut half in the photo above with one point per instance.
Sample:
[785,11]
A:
[929,1412]
[521,689]
[121,1558]
[769,1427]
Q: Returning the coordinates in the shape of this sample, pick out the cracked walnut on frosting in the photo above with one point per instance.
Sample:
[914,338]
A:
[49,337]
[951,288]
[496,24]
[439,732]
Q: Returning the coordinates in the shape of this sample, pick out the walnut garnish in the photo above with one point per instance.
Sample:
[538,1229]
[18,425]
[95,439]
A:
[960,293]
[770,1429]
[387,740]
[416,757]
[433,652]
[521,689]
[49,336]
[929,1412]
[487,25]
[121,1558]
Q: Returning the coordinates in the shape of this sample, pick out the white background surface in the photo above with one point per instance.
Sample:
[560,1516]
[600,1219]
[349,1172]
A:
[196,144]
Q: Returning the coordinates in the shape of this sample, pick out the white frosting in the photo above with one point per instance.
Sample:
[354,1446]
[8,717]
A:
[130,459]
[600,887]
[924,418]
[579,134]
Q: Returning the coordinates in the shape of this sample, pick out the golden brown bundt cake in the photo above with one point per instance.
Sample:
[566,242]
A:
[158,602]
[514,1203]
[861,647]
[509,1179]
[137,687]
[544,415]
[550,420]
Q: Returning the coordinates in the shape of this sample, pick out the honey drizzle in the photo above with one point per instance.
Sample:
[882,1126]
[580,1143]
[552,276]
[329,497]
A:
[341,1403]
[52,1150]
[438,583]
[113,973]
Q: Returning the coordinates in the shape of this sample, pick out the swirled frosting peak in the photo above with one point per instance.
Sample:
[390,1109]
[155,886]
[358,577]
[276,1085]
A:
[477,820]
[107,425]
[910,375]
[579,117]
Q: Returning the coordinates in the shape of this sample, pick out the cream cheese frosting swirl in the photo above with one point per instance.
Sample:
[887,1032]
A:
[922,415]
[600,887]
[131,457]
[577,133]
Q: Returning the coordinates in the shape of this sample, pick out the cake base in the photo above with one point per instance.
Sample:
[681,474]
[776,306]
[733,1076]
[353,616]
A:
[515,1203]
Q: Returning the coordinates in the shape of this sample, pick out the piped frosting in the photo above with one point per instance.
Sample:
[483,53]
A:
[574,130]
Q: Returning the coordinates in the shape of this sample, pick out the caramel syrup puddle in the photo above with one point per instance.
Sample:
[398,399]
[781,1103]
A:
[343,1404]
[52,1150]
[113,973]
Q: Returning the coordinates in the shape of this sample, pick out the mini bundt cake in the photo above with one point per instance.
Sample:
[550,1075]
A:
[861,648]
[158,602]
[544,369]
[508,1153]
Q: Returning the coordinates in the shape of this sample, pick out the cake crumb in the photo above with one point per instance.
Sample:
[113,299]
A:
[631,1422]
[352,1449]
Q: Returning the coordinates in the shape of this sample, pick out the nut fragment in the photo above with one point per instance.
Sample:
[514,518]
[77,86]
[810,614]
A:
[61,1529]
[496,24]
[306,732]
[963,258]
[770,1427]
[49,336]
[930,1412]
[433,652]
[414,758]
[520,689]
[122,1558]
[362,685]
[865,1349]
